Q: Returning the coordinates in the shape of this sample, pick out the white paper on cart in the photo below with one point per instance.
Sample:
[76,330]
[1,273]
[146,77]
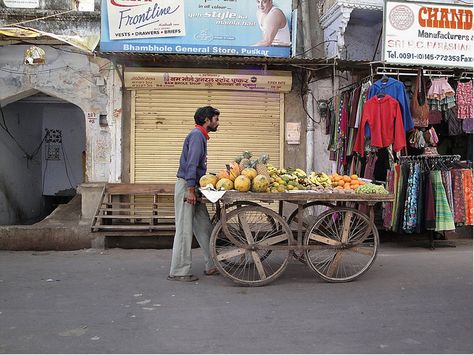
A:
[211,193]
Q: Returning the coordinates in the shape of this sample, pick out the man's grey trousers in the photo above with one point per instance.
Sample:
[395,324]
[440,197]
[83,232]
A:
[189,219]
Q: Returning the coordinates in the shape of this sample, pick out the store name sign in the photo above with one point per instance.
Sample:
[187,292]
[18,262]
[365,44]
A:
[209,27]
[428,34]
[273,82]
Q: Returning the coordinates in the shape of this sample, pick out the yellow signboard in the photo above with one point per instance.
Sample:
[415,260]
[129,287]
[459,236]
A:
[269,82]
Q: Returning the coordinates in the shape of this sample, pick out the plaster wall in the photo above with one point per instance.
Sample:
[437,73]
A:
[321,90]
[83,80]
[361,40]
[295,154]
[20,179]
[65,173]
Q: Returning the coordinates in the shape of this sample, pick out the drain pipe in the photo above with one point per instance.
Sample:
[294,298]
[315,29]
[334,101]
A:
[309,131]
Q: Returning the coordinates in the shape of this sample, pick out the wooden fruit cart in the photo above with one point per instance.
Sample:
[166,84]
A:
[252,244]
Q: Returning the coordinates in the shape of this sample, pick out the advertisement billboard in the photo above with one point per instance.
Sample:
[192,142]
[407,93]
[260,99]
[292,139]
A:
[211,27]
[418,33]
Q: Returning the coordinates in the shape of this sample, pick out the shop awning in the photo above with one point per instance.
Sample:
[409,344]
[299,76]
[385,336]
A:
[14,34]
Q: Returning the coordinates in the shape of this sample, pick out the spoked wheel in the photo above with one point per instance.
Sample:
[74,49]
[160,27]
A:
[215,218]
[252,262]
[345,244]
[309,215]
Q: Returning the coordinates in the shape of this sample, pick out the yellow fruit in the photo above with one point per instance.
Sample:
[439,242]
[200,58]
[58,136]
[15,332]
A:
[260,183]
[234,170]
[242,183]
[208,179]
[224,184]
[281,188]
[224,173]
[249,172]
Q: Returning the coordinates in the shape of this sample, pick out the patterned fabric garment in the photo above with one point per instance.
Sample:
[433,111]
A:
[447,182]
[444,217]
[396,193]
[443,104]
[364,90]
[387,210]
[411,201]
[402,193]
[467,188]
[467,125]
[430,217]
[464,100]
[458,197]
[370,166]
[440,89]
[454,124]
[420,223]
[435,117]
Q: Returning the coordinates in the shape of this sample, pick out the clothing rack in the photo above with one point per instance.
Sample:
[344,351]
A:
[413,72]
[431,162]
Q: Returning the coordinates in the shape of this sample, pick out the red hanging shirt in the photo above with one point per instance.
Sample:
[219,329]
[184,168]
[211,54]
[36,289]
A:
[385,121]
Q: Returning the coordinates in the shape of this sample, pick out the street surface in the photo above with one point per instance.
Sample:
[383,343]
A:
[412,300]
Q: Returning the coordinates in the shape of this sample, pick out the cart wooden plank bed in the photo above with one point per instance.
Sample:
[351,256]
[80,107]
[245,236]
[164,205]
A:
[252,244]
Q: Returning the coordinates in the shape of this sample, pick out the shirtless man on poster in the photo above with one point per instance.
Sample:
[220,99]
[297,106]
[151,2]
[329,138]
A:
[273,23]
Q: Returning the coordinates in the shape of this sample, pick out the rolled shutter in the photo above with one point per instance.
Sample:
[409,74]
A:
[161,119]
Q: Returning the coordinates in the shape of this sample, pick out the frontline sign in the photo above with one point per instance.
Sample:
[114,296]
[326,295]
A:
[428,34]
[207,27]
[145,18]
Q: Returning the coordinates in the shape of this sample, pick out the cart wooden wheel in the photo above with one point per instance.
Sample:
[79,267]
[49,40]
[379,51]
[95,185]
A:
[257,231]
[215,218]
[309,215]
[345,244]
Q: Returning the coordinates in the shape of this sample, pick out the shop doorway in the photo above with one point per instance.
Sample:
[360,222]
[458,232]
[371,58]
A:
[42,140]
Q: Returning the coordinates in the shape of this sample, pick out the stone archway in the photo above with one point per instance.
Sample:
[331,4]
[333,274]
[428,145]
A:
[43,139]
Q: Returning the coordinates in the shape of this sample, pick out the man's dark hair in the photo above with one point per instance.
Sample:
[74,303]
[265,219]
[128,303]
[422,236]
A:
[205,112]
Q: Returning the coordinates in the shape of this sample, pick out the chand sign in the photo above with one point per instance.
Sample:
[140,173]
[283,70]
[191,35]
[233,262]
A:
[211,27]
[428,34]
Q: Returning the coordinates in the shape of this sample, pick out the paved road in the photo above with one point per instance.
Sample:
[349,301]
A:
[413,300]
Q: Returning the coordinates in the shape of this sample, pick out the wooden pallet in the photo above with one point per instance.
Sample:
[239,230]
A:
[139,208]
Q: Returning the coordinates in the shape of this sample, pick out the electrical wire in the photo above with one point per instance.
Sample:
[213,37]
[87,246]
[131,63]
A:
[66,163]
[28,156]
[39,18]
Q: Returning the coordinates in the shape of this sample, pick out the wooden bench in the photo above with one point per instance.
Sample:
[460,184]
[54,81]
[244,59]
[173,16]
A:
[135,208]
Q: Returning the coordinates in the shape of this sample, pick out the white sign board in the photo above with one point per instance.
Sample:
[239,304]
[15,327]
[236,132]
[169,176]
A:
[428,34]
[145,18]
[85,5]
[293,132]
[22,4]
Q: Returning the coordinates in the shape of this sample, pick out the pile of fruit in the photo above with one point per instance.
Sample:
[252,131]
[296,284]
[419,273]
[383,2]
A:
[243,174]
[258,175]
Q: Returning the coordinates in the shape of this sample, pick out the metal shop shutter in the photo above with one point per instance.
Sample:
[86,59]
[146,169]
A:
[161,119]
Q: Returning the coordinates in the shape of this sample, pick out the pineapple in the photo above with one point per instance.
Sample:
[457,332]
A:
[245,160]
[261,165]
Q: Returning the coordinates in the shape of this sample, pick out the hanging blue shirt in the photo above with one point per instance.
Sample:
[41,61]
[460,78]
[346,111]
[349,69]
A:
[395,89]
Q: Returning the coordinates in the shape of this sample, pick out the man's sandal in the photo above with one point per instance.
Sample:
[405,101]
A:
[211,271]
[185,278]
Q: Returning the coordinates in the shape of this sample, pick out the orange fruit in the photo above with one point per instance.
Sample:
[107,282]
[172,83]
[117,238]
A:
[340,182]
[361,182]
[354,177]
[346,178]
[347,185]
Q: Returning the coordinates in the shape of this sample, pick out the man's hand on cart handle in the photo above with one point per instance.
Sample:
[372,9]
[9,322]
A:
[191,196]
